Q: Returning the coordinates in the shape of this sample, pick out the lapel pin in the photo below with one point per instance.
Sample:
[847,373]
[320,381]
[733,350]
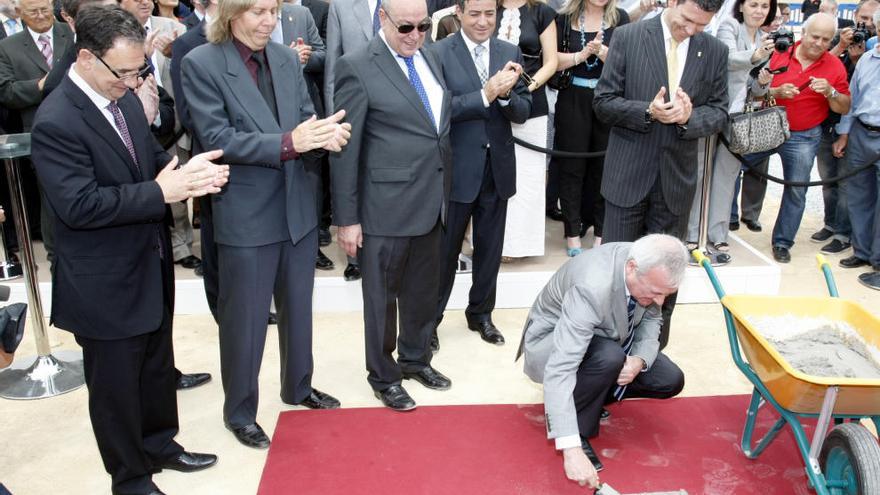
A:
[699,54]
[289,18]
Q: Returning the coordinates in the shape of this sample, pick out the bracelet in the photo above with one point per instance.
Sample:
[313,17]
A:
[575,58]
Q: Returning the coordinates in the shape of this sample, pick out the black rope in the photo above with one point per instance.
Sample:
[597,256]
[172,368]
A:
[557,153]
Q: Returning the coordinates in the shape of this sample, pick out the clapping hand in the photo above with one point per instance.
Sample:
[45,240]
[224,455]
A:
[676,111]
[327,133]
[148,93]
[200,176]
[303,50]
[503,81]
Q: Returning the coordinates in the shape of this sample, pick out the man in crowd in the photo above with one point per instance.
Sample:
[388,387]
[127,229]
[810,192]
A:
[481,72]
[592,338]
[813,83]
[390,189]
[10,23]
[663,87]
[860,142]
[262,117]
[109,184]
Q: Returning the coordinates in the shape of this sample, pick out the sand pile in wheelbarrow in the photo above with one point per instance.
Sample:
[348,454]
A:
[820,347]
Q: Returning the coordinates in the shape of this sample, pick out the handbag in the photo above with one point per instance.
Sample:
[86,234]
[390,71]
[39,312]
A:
[754,131]
[562,79]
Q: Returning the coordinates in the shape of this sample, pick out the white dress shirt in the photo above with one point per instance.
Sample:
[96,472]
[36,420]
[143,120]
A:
[94,97]
[148,26]
[471,45]
[429,82]
[36,36]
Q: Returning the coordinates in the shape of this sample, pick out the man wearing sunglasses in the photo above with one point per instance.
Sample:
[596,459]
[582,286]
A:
[109,184]
[487,95]
[390,188]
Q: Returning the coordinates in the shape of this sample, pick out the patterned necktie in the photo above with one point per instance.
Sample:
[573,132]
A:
[11,27]
[376,24]
[417,85]
[627,346]
[123,131]
[46,48]
[672,66]
[479,50]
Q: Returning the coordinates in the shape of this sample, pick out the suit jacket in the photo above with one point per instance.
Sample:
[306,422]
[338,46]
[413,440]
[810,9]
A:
[638,152]
[736,36]
[394,175]
[475,126]
[266,200]
[22,66]
[59,70]
[163,64]
[585,298]
[191,21]
[349,27]
[297,22]
[179,50]
[110,217]
[319,10]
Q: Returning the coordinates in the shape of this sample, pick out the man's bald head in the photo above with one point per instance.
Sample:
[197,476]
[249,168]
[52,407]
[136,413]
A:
[819,30]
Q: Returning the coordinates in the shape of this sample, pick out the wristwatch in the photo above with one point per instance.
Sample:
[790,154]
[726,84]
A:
[649,115]
[833,94]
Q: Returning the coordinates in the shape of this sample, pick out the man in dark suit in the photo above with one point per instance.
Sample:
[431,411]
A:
[664,86]
[109,184]
[319,10]
[481,72]
[197,14]
[10,23]
[390,189]
[247,96]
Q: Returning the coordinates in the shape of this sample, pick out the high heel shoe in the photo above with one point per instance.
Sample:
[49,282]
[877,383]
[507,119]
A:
[572,252]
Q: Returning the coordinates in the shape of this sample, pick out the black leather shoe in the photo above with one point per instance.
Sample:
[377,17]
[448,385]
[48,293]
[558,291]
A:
[555,214]
[835,246]
[192,380]
[870,280]
[352,273]
[199,270]
[188,462]
[189,262]
[322,262]
[853,262]
[605,414]
[430,378]
[754,226]
[821,236]
[273,318]
[733,226]
[156,492]
[395,397]
[319,400]
[781,254]
[488,331]
[324,237]
[435,342]
[251,435]
[591,454]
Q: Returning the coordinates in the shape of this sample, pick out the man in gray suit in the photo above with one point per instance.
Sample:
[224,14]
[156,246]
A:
[664,86]
[247,96]
[390,188]
[592,338]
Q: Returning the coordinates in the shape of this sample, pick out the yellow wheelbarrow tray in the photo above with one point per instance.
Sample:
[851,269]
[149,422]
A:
[844,461]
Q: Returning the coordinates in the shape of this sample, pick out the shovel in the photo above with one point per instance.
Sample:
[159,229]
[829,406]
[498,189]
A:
[606,489]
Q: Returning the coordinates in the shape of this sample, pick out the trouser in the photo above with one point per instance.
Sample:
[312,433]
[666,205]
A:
[836,217]
[863,200]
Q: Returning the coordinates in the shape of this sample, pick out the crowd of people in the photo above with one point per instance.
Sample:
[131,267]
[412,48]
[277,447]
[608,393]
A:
[274,120]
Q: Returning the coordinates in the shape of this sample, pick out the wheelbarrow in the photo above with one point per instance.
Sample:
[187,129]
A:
[844,461]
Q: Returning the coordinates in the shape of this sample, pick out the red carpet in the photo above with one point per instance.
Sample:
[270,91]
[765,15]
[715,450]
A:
[690,444]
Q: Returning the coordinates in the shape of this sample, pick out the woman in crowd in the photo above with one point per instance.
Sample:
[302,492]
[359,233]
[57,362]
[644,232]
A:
[588,26]
[530,25]
[749,47]
[167,8]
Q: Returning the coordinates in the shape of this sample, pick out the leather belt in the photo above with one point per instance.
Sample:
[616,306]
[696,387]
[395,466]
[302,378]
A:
[872,128]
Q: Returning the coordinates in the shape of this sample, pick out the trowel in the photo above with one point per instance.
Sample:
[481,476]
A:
[606,489]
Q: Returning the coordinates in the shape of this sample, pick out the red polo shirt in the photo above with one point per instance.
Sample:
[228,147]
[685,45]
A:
[809,108]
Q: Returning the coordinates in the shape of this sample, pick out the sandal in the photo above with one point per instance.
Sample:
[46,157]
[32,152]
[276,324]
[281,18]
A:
[721,247]
[691,246]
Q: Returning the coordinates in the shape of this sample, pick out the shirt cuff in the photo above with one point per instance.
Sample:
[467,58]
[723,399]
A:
[485,100]
[844,125]
[568,442]
[287,151]
[157,122]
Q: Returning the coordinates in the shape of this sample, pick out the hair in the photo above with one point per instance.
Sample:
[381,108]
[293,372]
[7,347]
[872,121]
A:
[157,13]
[877,20]
[738,15]
[529,3]
[706,5]
[220,29]
[862,3]
[660,251]
[72,7]
[832,3]
[806,26]
[783,6]
[575,8]
[99,27]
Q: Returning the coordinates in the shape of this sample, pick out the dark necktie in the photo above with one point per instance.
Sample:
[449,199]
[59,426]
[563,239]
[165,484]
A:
[417,85]
[376,24]
[122,127]
[264,82]
[627,346]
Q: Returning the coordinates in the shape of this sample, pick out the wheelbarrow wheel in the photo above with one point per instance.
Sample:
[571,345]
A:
[851,461]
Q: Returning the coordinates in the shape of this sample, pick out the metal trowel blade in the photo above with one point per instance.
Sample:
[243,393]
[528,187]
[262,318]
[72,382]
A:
[606,489]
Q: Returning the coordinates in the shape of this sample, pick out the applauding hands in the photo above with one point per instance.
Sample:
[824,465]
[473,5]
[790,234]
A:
[675,111]
[327,133]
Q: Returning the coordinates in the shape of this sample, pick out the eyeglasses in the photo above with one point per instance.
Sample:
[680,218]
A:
[144,71]
[423,26]
[36,12]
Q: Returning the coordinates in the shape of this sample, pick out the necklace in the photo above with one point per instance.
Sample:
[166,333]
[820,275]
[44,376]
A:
[595,59]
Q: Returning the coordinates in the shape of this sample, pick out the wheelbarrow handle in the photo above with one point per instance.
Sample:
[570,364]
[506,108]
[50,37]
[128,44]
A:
[707,265]
[829,277]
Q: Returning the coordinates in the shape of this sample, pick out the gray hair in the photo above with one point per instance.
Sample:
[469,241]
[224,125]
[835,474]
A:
[660,251]
[877,20]
[808,24]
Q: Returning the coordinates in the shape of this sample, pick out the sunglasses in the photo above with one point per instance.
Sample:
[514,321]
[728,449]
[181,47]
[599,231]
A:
[423,26]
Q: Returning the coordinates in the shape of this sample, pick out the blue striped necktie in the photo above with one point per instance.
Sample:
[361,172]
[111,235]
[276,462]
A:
[627,346]
[377,25]
[417,85]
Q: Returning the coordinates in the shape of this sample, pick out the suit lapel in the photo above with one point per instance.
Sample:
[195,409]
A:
[655,51]
[385,61]
[246,92]
[460,49]
[31,50]
[364,17]
[445,102]
[285,97]
[287,27]
[692,65]
[137,127]
[60,43]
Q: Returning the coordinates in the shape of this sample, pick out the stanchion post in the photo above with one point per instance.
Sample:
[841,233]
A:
[714,258]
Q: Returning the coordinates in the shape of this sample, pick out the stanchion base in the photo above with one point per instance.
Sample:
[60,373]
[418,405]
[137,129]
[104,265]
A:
[10,270]
[715,258]
[46,376]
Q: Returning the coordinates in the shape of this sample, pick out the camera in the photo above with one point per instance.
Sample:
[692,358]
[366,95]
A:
[782,38]
[860,33]
[662,4]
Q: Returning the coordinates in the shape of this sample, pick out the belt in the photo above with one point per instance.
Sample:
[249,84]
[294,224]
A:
[583,82]
[872,128]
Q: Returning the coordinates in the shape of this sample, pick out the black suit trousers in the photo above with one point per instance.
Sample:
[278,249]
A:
[133,404]
[488,212]
[249,278]
[210,277]
[649,216]
[597,380]
[399,276]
